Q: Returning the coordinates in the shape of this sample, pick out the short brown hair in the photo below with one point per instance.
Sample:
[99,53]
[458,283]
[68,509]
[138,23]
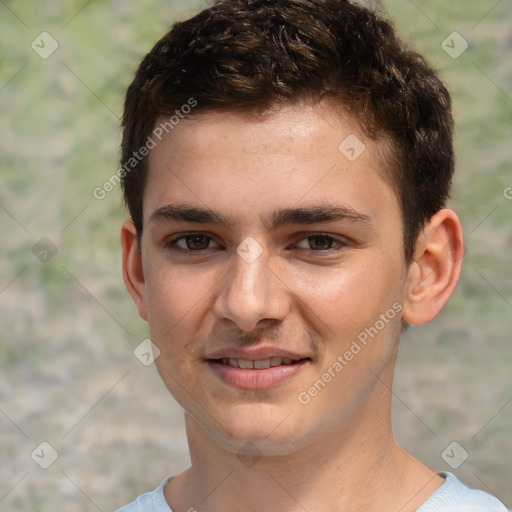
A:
[250,55]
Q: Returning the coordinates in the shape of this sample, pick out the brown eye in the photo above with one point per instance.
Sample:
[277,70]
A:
[193,242]
[197,242]
[320,242]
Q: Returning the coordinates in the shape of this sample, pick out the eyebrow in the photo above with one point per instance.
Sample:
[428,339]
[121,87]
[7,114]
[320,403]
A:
[316,214]
[186,213]
[281,217]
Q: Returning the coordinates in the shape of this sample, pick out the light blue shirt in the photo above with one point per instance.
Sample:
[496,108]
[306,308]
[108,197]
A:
[452,496]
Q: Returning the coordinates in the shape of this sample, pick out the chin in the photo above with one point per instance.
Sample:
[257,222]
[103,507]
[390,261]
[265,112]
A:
[259,431]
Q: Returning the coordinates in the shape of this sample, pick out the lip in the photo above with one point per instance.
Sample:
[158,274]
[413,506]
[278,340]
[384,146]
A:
[255,379]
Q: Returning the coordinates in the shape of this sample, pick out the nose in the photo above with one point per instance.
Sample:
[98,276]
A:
[252,293]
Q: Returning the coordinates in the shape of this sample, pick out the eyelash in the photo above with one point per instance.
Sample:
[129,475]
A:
[338,243]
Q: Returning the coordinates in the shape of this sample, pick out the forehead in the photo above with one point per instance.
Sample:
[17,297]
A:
[287,130]
[297,154]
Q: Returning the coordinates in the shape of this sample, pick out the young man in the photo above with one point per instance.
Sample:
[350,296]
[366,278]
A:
[286,167]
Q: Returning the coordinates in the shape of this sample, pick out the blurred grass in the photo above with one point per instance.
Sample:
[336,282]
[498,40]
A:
[59,121]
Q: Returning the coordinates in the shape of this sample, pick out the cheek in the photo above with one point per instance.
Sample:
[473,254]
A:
[174,295]
[344,300]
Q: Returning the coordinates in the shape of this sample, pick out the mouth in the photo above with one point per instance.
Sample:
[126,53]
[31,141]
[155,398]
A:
[260,364]
[256,374]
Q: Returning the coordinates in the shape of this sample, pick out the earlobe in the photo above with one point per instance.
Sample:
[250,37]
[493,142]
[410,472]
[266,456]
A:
[133,274]
[436,267]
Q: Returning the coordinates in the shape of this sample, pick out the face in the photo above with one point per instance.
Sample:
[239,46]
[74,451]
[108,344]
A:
[273,275]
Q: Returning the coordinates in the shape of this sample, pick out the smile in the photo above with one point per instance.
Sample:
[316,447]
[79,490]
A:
[258,374]
[260,364]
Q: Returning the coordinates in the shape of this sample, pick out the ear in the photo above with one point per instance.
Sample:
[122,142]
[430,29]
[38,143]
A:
[436,267]
[133,274]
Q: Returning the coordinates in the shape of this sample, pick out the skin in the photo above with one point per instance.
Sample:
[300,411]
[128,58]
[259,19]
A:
[313,289]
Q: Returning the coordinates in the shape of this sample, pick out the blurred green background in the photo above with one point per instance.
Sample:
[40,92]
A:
[68,375]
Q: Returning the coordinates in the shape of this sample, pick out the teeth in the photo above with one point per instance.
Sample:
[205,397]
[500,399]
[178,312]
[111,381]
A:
[261,364]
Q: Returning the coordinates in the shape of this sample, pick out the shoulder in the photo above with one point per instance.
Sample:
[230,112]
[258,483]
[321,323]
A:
[153,501]
[454,496]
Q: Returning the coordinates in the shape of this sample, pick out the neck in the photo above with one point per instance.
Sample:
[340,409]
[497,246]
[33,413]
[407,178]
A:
[354,468]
